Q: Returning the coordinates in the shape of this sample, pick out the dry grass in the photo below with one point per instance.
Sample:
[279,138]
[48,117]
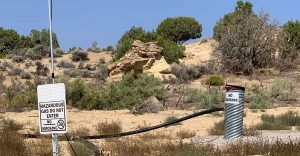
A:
[183,134]
[155,136]
[81,131]
[218,129]
[139,147]
[109,127]
[40,147]
[11,144]
[262,147]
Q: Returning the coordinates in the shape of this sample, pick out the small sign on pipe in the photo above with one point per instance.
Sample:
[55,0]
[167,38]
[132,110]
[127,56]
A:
[52,108]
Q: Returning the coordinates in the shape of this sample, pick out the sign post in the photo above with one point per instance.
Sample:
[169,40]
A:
[54,133]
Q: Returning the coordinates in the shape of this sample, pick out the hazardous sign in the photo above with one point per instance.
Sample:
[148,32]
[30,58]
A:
[52,108]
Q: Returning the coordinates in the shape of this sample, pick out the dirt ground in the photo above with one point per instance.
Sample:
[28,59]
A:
[88,119]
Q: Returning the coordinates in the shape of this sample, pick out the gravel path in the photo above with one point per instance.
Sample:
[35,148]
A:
[268,136]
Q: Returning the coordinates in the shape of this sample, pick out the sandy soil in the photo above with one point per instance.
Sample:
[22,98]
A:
[130,121]
[198,53]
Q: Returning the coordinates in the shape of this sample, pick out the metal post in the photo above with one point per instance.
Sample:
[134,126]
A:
[234,112]
[54,135]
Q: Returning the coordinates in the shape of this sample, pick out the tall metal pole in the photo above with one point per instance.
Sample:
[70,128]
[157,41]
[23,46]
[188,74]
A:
[54,135]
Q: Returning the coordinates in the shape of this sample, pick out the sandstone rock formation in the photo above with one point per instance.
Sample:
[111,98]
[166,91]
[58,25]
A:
[142,57]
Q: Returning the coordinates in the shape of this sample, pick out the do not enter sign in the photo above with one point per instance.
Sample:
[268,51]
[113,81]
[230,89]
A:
[52,108]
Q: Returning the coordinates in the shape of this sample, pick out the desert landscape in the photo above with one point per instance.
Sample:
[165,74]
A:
[151,78]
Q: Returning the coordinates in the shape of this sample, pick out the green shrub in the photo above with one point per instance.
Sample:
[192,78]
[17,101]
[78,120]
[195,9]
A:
[215,80]
[204,99]
[128,92]
[135,33]
[185,73]
[223,23]
[58,52]
[179,29]
[280,122]
[291,40]
[171,119]
[284,89]
[75,91]
[65,64]
[260,99]
[171,51]
[80,149]
[41,69]
[73,73]
[244,26]
[10,125]
[27,99]
[79,55]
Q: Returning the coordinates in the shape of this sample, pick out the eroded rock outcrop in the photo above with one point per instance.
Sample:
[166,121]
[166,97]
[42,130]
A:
[141,57]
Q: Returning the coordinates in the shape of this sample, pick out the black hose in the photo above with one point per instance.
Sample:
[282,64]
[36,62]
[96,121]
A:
[105,136]
[149,128]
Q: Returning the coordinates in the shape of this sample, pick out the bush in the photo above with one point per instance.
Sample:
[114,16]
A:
[260,99]
[222,24]
[58,52]
[183,134]
[260,36]
[109,128]
[218,128]
[28,99]
[80,149]
[291,40]
[15,72]
[215,80]
[65,64]
[171,119]
[10,125]
[284,89]
[126,93]
[12,143]
[171,51]
[204,99]
[86,73]
[18,59]
[281,122]
[180,29]
[2,78]
[78,55]
[185,73]
[135,33]
[41,70]
[73,73]
[102,73]
[25,75]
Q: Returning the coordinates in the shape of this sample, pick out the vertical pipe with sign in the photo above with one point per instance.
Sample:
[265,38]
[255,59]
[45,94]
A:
[234,112]
[54,135]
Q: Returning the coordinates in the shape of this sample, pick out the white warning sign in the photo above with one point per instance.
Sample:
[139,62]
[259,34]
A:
[232,97]
[52,108]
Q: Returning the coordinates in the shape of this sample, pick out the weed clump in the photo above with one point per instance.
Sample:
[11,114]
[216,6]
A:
[281,122]
[215,80]
[109,127]
[185,73]
[204,99]
[260,99]
[284,89]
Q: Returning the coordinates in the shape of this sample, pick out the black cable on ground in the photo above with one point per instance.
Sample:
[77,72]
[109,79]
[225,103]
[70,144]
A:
[68,139]
[105,136]
[149,128]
